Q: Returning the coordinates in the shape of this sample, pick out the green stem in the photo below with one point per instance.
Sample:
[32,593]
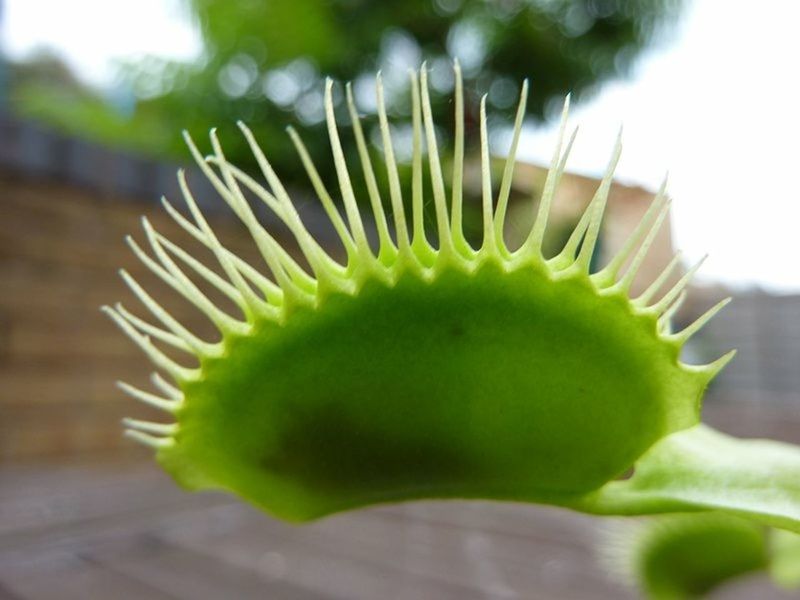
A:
[702,469]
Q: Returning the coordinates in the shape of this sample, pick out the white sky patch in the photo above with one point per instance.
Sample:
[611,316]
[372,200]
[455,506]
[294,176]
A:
[720,109]
[717,106]
[92,35]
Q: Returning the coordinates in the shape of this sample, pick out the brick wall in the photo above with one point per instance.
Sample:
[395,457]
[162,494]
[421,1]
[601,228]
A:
[65,208]
[60,248]
[765,330]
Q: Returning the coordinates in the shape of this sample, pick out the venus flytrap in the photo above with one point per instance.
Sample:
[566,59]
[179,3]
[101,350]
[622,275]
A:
[432,369]
[684,556]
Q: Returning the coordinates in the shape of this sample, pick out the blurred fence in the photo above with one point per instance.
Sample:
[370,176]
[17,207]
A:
[32,150]
[765,330]
[65,208]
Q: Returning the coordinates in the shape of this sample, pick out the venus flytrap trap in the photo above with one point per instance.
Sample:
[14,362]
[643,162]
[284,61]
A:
[684,556]
[436,370]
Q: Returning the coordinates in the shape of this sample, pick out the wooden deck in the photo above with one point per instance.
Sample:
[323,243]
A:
[125,531]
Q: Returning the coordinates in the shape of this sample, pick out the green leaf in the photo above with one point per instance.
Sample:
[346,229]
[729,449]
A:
[686,556]
[785,558]
[702,469]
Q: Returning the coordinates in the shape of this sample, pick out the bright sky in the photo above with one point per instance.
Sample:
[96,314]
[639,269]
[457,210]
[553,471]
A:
[91,35]
[717,106]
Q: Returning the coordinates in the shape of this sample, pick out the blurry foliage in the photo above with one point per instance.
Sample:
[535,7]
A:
[265,62]
[43,87]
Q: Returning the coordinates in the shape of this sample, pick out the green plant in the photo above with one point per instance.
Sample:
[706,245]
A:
[438,371]
[684,556]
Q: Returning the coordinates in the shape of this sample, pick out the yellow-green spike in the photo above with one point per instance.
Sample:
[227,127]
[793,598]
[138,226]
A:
[597,208]
[345,186]
[167,405]
[146,328]
[489,239]
[508,171]
[627,280]
[255,305]
[387,250]
[682,336]
[533,245]
[322,193]
[434,162]
[161,360]
[272,292]
[401,228]
[608,274]
[456,225]
[667,298]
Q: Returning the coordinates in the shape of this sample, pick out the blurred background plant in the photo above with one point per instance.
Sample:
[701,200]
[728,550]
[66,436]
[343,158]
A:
[265,63]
